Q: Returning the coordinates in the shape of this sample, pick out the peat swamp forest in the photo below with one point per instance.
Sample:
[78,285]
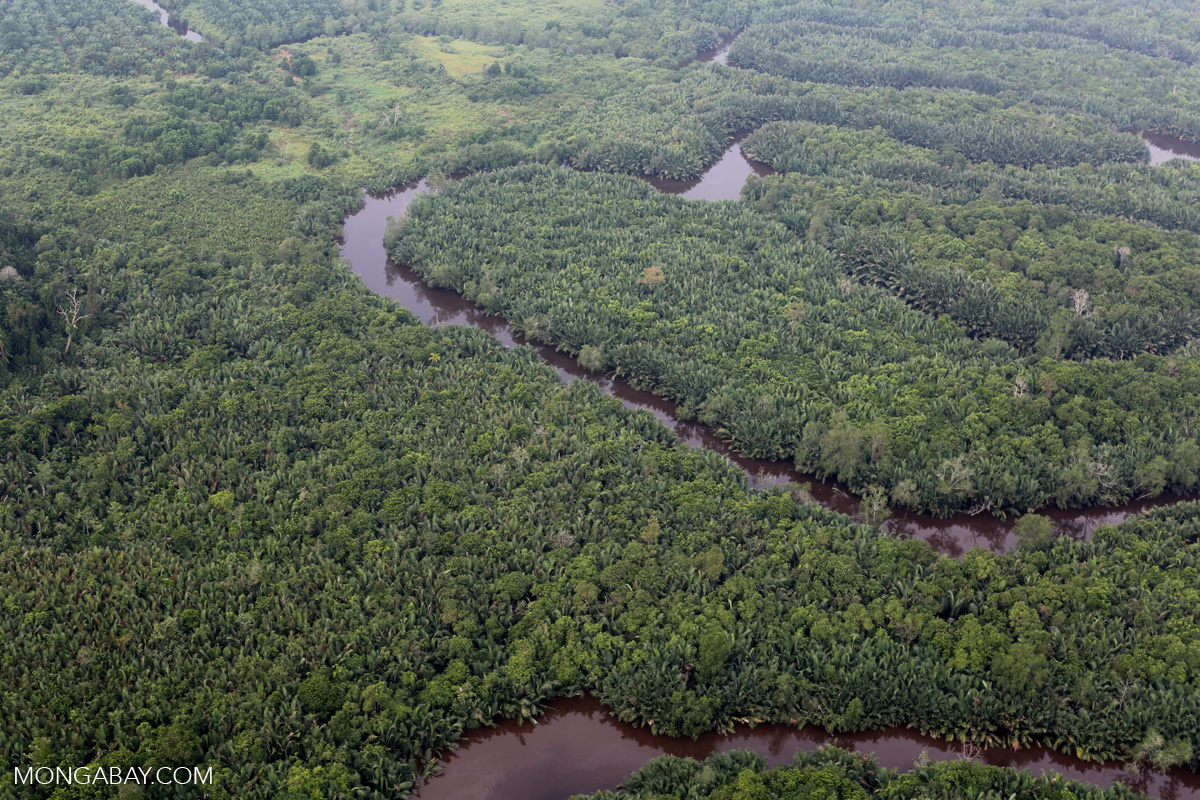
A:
[932,318]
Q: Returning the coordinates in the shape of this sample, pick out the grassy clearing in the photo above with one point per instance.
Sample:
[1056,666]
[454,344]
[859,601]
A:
[459,57]
[437,94]
[544,13]
[434,93]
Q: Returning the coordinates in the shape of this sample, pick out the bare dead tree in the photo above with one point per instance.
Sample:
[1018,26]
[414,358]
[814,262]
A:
[1103,471]
[72,316]
[955,475]
[980,507]
[394,118]
[1082,301]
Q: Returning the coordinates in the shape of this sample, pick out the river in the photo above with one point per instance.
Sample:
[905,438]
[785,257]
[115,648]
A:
[578,747]
[715,55]
[723,180]
[1165,148]
[164,18]
[363,247]
[722,183]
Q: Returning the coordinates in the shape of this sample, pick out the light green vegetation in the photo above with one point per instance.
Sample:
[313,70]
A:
[459,57]
[667,31]
[395,109]
[204,210]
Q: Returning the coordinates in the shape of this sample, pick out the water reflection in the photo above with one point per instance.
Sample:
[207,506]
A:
[1165,148]
[722,181]
[954,536]
[164,19]
[578,747]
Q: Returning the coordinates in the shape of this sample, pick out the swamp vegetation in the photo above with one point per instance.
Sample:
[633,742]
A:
[834,774]
[255,517]
[771,341]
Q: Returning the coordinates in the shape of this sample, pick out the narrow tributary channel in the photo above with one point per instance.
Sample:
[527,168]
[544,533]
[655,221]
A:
[715,55]
[1164,148]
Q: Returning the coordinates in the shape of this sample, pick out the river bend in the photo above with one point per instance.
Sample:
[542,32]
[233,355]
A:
[955,535]
[578,746]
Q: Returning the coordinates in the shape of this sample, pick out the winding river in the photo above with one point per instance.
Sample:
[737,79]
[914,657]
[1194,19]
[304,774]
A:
[578,746]
[723,180]
[363,247]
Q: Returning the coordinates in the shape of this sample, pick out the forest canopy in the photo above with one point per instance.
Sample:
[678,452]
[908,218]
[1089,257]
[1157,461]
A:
[255,517]
[835,774]
[743,317]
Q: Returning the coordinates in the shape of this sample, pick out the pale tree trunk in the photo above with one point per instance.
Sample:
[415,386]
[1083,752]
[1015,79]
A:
[72,316]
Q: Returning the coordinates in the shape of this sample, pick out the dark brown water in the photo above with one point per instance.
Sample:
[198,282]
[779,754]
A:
[722,181]
[578,747]
[1164,148]
[363,247]
[165,19]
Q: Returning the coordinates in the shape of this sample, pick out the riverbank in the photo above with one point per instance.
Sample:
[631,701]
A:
[579,747]
[954,535]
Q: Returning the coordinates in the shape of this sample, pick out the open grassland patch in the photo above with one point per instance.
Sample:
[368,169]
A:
[459,56]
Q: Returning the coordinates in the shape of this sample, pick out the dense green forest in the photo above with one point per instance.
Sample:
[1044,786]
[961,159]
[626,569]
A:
[834,774]
[1040,276]
[1031,226]
[255,517]
[768,339]
[39,38]
[331,561]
